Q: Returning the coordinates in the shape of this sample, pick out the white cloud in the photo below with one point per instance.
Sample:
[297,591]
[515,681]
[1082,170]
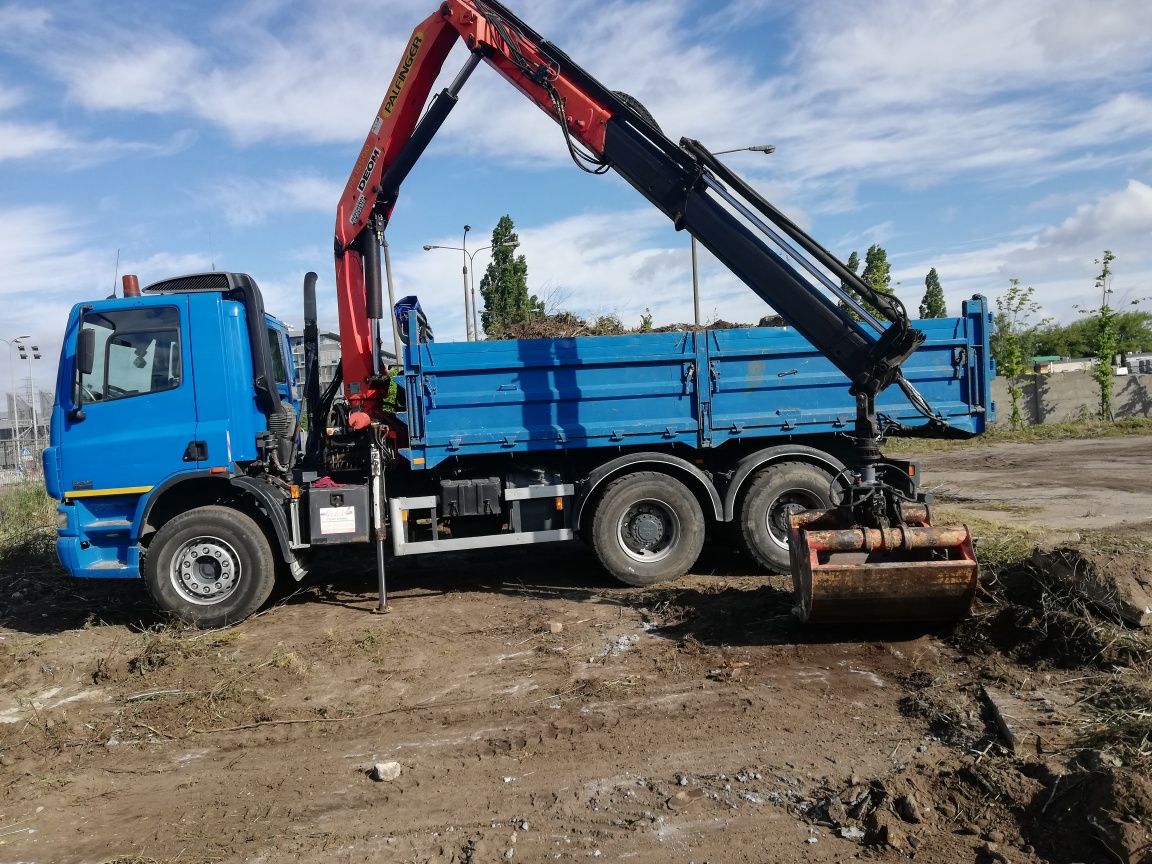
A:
[1059,260]
[164,265]
[885,90]
[141,72]
[894,52]
[24,140]
[46,269]
[592,264]
[246,201]
[49,264]
[21,140]
[21,21]
[10,97]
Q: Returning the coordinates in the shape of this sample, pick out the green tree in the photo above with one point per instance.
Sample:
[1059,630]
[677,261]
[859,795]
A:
[504,287]
[1075,339]
[1013,342]
[933,305]
[854,266]
[877,273]
[1106,336]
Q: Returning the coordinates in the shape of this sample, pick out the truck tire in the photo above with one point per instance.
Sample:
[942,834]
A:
[210,567]
[763,515]
[647,528]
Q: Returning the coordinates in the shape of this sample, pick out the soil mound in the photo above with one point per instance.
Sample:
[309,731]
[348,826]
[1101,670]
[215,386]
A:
[1113,574]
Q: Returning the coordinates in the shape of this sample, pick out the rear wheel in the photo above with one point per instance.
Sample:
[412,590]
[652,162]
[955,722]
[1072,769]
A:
[647,528]
[775,491]
[210,567]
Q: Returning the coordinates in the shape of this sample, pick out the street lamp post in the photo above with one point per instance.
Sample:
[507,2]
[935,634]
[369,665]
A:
[468,334]
[14,418]
[30,353]
[766,149]
[471,324]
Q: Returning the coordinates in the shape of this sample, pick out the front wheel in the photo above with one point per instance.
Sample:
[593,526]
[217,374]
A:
[775,491]
[647,528]
[210,567]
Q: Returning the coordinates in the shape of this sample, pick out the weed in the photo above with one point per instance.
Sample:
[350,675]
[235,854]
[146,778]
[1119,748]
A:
[998,546]
[1122,720]
[163,645]
[291,663]
[1037,618]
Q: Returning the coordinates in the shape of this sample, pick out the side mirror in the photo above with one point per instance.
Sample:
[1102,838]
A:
[85,360]
[86,351]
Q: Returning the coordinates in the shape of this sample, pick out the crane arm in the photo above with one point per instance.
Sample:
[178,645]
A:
[780,262]
[602,129]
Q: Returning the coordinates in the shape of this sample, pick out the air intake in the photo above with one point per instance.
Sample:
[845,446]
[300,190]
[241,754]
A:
[192,283]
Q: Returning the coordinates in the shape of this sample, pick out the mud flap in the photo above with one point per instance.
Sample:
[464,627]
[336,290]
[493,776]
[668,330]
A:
[844,573]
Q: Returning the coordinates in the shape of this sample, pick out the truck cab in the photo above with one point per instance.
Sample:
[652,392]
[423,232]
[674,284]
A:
[155,391]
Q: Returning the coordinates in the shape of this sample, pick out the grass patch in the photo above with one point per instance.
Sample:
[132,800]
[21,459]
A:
[27,522]
[29,571]
[1003,434]
[998,546]
[24,507]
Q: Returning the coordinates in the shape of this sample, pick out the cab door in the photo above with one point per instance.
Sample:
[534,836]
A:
[136,423]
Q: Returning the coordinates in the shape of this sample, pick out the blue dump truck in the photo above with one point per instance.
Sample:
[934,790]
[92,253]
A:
[164,467]
[179,455]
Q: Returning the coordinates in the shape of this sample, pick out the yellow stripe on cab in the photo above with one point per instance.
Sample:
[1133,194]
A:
[119,490]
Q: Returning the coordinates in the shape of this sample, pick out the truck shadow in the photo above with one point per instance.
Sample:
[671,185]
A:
[744,606]
[42,599]
[727,600]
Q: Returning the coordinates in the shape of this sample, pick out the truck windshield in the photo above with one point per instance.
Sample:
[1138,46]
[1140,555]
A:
[137,352]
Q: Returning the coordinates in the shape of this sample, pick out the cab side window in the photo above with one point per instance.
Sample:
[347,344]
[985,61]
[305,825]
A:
[276,351]
[137,352]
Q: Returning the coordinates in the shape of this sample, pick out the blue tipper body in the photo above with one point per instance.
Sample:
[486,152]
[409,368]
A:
[699,389]
[126,450]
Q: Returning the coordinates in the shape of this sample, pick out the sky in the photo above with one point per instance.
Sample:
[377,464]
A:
[989,140]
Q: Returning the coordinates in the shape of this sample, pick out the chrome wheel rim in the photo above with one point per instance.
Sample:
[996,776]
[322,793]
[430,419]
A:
[205,571]
[648,531]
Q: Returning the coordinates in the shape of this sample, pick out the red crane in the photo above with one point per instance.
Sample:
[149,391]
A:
[604,129]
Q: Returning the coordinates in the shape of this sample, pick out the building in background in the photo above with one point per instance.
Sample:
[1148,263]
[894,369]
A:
[329,356]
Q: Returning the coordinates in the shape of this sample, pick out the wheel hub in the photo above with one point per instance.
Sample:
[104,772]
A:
[205,570]
[648,530]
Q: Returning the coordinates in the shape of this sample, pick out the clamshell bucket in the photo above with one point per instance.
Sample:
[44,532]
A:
[914,572]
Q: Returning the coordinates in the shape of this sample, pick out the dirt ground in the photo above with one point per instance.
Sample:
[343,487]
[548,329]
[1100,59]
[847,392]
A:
[539,712]
[1052,486]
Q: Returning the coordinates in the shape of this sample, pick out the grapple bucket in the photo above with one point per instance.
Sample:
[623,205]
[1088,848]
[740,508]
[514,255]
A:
[914,572]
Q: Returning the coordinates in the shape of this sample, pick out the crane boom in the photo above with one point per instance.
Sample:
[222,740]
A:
[603,129]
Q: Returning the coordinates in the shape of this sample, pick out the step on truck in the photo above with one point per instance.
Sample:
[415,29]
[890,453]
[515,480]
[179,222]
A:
[178,452]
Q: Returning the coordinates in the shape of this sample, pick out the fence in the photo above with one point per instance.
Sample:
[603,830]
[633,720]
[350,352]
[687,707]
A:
[1064,396]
